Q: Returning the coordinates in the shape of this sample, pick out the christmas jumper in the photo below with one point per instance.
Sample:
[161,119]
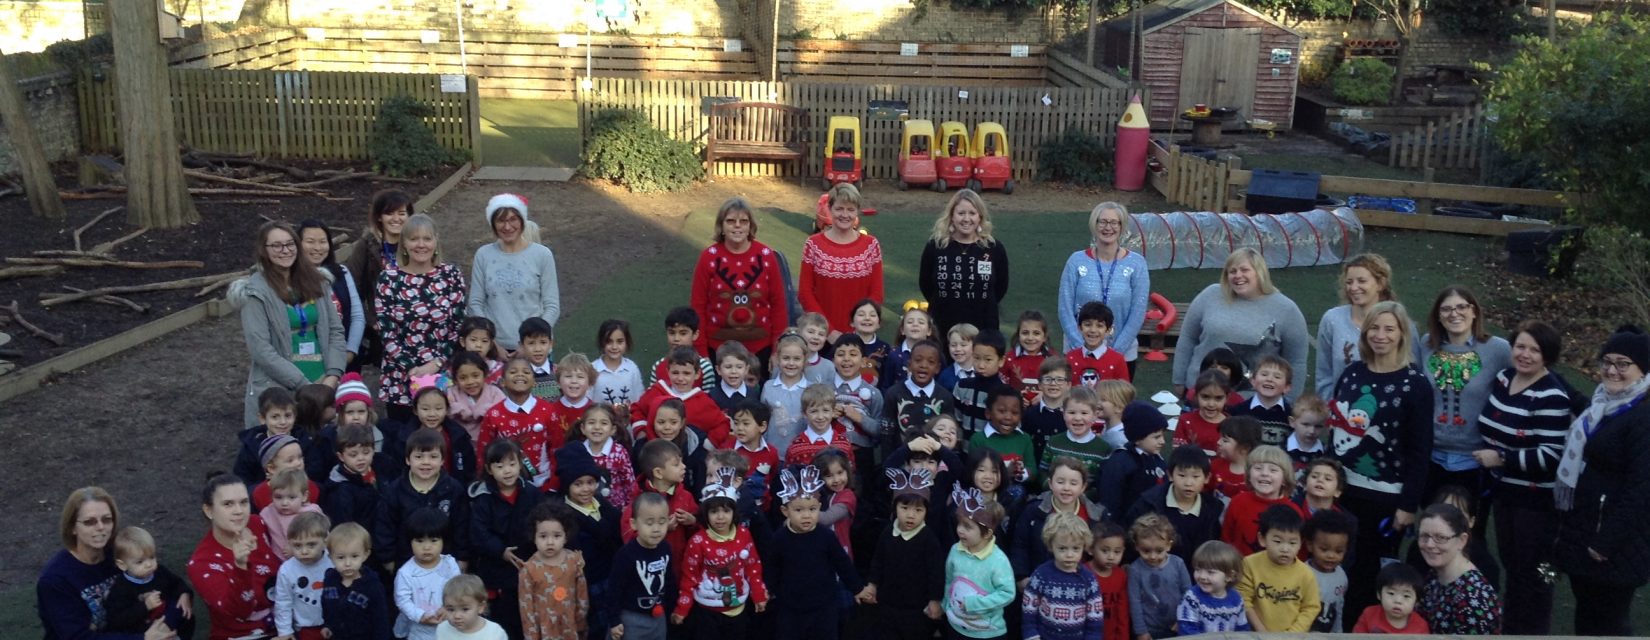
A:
[640,582]
[1016,448]
[351,497]
[1201,613]
[298,588]
[661,372]
[1121,283]
[1091,450]
[564,415]
[835,277]
[873,359]
[979,587]
[418,316]
[808,444]
[1373,620]
[418,594]
[1461,377]
[964,282]
[71,598]
[129,614]
[510,287]
[236,598]
[1240,527]
[554,597]
[858,393]
[545,385]
[908,569]
[1224,480]
[610,456]
[1114,592]
[1274,420]
[389,538]
[459,460]
[277,524]
[680,499]
[906,406]
[1284,598]
[764,460]
[702,412]
[720,574]
[1021,368]
[620,386]
[468,412]
[802,567]
[1466,607]
[1090,366]
[528,423]
[1042,422]
[1192,428]
[1126,476]
[1332,595]
[1528,428]
[1154,595]
[739,297]
[1380,427]
[1192,527]
[1061,606]
[356,611]
[970,395]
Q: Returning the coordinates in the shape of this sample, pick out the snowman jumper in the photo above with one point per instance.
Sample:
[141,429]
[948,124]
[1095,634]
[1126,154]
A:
[1381,430]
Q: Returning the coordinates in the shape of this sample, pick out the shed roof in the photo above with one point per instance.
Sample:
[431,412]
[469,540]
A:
[1163,13]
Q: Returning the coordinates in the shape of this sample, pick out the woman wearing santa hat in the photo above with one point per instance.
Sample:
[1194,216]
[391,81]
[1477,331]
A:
[514,278]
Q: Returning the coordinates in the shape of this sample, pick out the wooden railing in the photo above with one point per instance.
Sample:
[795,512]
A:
[1455,142]
[678,107]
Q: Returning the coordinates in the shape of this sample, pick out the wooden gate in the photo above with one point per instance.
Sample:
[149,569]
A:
[1218,69]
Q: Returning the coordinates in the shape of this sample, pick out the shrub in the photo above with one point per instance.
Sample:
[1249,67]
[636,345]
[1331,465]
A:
[1076,157]
[626,149]
[402,144]
[1617,260]
[1362,81]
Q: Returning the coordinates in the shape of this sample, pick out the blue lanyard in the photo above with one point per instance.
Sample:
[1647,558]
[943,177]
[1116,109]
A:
[303,318]
[1106,277]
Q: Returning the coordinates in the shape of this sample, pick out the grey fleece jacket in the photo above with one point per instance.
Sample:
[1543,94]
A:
[268,336]
[1252,328]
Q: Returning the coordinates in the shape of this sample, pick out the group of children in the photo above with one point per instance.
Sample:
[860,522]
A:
[915,487]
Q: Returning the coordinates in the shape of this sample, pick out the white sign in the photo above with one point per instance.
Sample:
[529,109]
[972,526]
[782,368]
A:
[962,95]
[452,83]
[1019,51]
[315,34]
[1047,102]
[567,41]
[908,48]
[733,45]
[429,37]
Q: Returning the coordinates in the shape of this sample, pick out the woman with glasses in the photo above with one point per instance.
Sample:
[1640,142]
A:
[964,270]
[1111,275]
[1461,360]
[420,308]
[1380,429]
[1603,489]
[1457,599]
[70,592]
[291,327]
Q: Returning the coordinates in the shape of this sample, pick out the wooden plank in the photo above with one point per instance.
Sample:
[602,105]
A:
[32,377]
[1446,224]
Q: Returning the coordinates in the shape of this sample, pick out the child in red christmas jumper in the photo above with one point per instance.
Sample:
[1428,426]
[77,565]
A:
[521,417]
[1095,361]
[662,471]
[1229,470]
[819,411]
[1271,483]
[1024,363]
[1201,426]
[750,428]
[721,571]
[1106,561]
[594,441]
[575,375]
[702,412]
[682,330]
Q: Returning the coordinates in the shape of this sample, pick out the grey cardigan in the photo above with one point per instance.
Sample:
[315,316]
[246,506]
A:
[269,338]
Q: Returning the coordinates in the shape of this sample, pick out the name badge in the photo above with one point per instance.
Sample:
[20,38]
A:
[983,267]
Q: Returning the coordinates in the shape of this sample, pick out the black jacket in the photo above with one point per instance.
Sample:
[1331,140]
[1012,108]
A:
[390,542]
[125,610]
[1026,548]
[1125,476]
[460,460]
[495,525]
[360,611]
[695,446]
[321,455]
[348,497]
[597,539]
[1612,504]
[1190,531]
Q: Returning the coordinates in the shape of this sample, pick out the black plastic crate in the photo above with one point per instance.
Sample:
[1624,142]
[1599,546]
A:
[1281,191]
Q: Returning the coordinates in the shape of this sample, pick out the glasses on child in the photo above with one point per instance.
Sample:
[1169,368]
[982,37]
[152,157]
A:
[1055,379]
[92,522]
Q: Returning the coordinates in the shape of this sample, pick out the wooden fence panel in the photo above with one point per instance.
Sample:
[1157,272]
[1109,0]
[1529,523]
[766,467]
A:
[1454,142]
[675,106]
[300,114]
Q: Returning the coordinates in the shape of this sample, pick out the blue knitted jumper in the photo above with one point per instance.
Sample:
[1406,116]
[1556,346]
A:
[1058,605]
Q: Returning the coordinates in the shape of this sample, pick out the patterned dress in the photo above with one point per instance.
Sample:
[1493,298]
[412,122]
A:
[418,320]
[554,597]
[1466,607]
[835,277]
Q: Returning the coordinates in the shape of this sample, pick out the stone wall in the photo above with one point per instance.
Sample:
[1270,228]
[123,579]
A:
[1322,39]
[53,113]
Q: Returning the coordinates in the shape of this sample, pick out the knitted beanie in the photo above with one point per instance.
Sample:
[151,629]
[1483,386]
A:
[1141,419]
[1629,341]
[350,389]
[573,467]
[271,446]
[506,201]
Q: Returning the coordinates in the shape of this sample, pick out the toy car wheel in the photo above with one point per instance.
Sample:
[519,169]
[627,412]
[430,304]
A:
[859,184]
[903,185]
[824,184]
[1008,187]
[974,185]
[938,186]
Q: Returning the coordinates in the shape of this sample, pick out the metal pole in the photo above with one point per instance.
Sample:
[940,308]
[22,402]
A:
[463,58]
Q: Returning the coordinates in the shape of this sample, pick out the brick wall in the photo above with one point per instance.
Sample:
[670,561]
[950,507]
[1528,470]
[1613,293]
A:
[1322,38]
[53,113]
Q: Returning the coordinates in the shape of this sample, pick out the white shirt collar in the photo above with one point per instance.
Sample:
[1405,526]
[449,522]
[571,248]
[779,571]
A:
[601,366]
[1096,353]
[1295,445]
[779,383]
[1172,503]
[532,401]
[853,383]
[764,447]
[607,448]
[905,346]
[961,372]
[583,402]
[914,389]
[548,368]
[1083,440]
[817,438]
[1256,403]
[743,389]
[991,431]
[813,359]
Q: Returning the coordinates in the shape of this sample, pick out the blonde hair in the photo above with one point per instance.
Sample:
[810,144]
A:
[812,319]
[307,524]
[1066,525]
[816,395]
[415,223]
[1248,255]
[1269,454]
[71,511]
[292,480]
[1117,392]
[1309,402]
[465,587]
[349,533]
[1378,269]
[844,192]
[1084,396]
[1218,556]
[1122,219]
[1405,332]
[963,330]
[1151,525]
[576,363]
[134,543]
[942,226]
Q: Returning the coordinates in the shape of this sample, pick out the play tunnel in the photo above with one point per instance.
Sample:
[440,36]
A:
[1203,240]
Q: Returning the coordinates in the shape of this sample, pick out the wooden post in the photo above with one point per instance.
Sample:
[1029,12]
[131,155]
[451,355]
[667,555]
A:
[1233,165]
[37,173]
[1094,11]
[157,195]
[1424,205]
[472,117]
[1551,9]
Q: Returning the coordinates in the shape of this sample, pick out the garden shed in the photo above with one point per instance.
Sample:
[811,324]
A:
[1215,52]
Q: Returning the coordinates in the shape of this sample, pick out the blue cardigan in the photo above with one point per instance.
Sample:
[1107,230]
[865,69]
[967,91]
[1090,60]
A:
[1127,297]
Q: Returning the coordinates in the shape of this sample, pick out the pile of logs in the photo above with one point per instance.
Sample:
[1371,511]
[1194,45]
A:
[233,175]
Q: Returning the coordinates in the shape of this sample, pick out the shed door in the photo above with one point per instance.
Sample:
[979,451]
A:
[1219,70]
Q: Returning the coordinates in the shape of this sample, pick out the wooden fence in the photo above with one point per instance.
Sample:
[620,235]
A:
[1455,142]
[678,107]
[1208,185]
[1065,70]
[937,64]
[295,114]
[266,49]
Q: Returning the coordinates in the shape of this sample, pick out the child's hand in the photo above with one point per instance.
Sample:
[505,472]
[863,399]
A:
[933,610]
[186,607]
[433,617]
[1145,636]
[159,631]
[762,606]
[683,518]
[677,618]
[853,413]
[326,633]
[151,599]
[925,444]
[510,557]
[617,633]
[868,595]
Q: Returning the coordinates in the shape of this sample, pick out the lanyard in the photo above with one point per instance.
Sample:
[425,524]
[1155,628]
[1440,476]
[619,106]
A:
[303,318]
[1105,276]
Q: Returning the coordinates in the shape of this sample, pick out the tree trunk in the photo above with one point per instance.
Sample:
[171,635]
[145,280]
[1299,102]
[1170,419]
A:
[1088,50]
[1398,76]
[157,195]
[37,173]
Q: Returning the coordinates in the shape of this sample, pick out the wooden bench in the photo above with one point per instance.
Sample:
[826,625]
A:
[757,131]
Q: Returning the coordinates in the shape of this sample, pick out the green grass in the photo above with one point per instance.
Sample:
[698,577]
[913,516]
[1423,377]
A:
[529,133]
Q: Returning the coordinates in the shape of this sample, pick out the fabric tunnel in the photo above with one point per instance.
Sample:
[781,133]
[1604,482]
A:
[1203,240]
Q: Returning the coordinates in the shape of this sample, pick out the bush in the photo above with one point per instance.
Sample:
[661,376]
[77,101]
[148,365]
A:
[626,149]
[1076,157]
[1362,81]
[1617,260]
[402,144]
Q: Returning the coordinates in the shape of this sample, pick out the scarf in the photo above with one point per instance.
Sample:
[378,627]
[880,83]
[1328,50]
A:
[1605,405]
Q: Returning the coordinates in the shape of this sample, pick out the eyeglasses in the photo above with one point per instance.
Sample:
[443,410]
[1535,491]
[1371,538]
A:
[1620,366]
[1055,380]
[92,522]
[1433,538]
[1460,309]
[1110,224]
[281,247]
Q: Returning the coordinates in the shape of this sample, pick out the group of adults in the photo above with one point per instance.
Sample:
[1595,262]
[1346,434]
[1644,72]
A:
[1410,413]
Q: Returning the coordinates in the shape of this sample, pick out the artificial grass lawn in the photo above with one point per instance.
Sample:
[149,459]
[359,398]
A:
[529,133]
